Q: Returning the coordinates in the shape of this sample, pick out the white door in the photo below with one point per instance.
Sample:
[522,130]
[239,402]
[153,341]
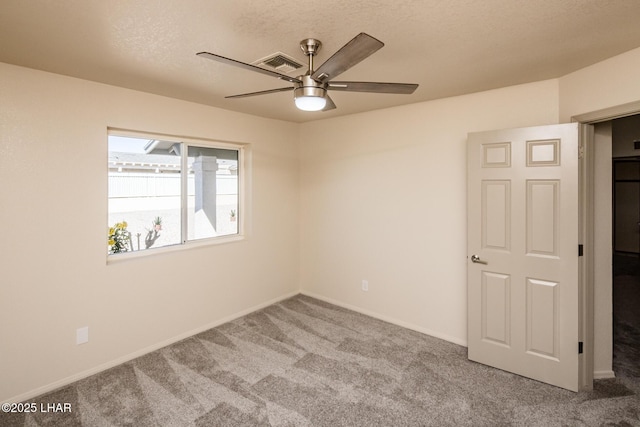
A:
[522,279]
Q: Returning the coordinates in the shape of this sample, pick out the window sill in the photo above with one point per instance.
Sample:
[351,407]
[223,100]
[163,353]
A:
[214,241]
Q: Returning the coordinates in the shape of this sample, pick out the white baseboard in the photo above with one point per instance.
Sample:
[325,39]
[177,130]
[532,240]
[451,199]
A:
[120,360]
[452,339]
[603,375]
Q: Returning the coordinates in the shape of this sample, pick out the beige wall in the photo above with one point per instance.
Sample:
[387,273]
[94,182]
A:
[377,196]
[609,83]
[53,217]
[383,198]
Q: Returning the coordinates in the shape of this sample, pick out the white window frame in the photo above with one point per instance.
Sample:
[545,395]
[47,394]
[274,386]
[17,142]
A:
[186,142]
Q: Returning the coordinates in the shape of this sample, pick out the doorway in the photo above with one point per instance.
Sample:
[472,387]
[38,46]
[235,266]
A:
[626,245]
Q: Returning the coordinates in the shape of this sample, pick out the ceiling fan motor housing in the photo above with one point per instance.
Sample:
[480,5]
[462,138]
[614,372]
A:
[309,87]
[310,95]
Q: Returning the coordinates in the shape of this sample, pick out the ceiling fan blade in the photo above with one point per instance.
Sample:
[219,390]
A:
[401,88]
[359,48]
[262,92]
[330,105]
[246,66]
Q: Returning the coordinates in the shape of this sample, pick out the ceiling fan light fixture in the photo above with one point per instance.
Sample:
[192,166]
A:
[310,98]
[311,103]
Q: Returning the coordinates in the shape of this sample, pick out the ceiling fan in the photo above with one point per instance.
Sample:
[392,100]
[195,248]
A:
[310,89]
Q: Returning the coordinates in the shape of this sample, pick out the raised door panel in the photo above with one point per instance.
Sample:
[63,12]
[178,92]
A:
[542,318]
[496,308]
[542,199]
[496,214]
[543,153]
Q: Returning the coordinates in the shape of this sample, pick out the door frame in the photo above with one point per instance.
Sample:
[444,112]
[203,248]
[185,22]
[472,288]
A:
[587,230]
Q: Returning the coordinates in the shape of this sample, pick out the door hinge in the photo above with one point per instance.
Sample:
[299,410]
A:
[580,347]
[581,152]
[580,250]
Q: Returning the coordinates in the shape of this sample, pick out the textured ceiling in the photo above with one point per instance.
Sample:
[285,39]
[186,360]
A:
[449,47]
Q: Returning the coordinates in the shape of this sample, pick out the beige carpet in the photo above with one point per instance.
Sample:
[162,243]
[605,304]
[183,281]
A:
[303,362]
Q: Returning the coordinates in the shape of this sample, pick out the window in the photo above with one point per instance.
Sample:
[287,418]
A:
[166,192]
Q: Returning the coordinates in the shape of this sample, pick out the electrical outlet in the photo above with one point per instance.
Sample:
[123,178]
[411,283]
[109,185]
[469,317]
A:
[365,285]
[82,335]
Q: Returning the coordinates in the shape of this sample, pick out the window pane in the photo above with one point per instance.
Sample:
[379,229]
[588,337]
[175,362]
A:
[213,192]
[144,194]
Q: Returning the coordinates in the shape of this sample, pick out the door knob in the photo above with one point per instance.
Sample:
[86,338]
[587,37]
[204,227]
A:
[476,259]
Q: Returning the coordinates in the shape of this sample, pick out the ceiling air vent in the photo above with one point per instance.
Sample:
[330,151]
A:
[279,62]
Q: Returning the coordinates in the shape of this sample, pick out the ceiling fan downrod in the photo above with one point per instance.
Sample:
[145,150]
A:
[310,47]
